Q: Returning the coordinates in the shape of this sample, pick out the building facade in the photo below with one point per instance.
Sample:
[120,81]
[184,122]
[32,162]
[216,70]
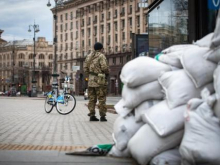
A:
[16,65]
[82,23]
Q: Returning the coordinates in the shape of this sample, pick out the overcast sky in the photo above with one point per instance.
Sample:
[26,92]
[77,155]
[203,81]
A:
[17,15]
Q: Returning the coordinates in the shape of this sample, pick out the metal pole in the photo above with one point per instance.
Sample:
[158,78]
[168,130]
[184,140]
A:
[55,75]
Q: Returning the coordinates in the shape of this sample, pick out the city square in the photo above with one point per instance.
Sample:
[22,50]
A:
[110,82]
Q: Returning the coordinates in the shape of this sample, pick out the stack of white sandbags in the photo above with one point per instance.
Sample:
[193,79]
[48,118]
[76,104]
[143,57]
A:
[201,144]
[155,97]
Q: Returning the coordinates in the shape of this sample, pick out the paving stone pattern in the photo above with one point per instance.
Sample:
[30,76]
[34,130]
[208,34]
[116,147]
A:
[24,122]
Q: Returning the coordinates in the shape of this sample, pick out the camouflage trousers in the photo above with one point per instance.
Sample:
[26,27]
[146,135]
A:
[97,93]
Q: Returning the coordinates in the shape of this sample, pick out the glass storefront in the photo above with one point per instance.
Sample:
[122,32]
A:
[168,25]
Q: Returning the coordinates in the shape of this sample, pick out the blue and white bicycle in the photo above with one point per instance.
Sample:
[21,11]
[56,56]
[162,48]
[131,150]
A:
[65,102]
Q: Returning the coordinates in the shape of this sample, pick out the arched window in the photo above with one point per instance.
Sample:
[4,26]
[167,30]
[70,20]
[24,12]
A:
[31,56]
[50,56]
[41,56]
[21,56]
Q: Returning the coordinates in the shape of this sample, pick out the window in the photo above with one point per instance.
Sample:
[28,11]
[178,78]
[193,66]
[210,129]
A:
[20,56]
[116,37]
[116,49]
[103,16]
[123,23]
[82,24]
[89,20]
[109,39]
[95,30]
[116,13]
[121,60]
[61,37]
[89,42]
[66,46]
[76,34]
[138,20]
[66,16]
[130,11]
[114,60]
[109,27]
[130,21]
[41,56]
[109,15]
[116,26]
[122,11]
[50,57]
[31,56]
[102,28]
[82,43]
[66,26]
[20,64]
[71,25]
[41,64]
[71,45]
[71,35]
[61,27]
[50,64]
[102,39]
[77,24]
[82,31]
[61,18]
[89,31]
[123,36]
[71,15]
[66,36]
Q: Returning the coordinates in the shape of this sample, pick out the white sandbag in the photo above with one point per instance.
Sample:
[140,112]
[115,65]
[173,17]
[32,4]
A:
[170,157]
[176,48]
[179,88]
[198,69]
[146,144]
[117,153]
[213,55]
[172,58]
[205,41]
[164,120]
[142,70]
[216,36]
[200,144]
[143,108]
[216,83]
[121,109]
[134,96]
[124,129]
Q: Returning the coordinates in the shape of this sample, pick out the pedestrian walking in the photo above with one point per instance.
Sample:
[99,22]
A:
[96,67]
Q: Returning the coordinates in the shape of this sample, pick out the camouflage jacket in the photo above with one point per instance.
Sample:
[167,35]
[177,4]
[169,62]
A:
[95,63]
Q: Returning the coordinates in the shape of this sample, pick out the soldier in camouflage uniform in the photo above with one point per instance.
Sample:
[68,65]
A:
[96,67]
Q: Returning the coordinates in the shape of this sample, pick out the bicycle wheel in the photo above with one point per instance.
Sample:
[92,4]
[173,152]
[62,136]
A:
[48,105]
[67,105]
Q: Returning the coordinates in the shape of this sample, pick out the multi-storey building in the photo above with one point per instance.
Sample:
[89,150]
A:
[82,23]
[16,64]
[1,40]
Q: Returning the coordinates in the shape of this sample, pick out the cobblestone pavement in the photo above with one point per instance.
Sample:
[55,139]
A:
[23,123]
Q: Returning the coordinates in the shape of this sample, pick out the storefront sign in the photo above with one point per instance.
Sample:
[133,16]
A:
[214,4]
[75,68]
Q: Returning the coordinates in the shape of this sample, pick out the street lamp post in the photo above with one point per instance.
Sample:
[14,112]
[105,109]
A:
[55,75]
[33,89]
[13,92]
